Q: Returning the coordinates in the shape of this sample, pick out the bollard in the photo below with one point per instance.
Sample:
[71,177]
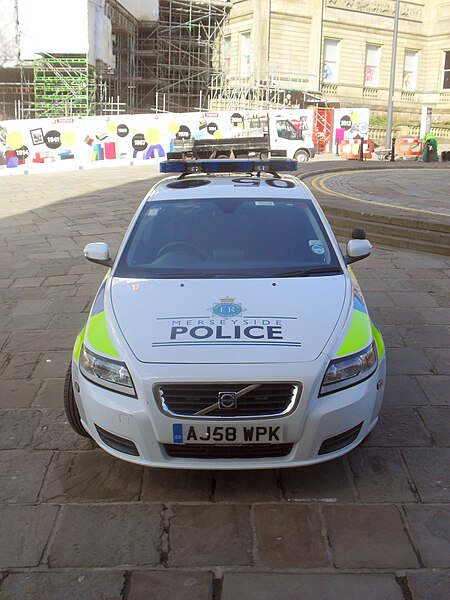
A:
[392,159]
[337,148]
[443,156]
[361,149]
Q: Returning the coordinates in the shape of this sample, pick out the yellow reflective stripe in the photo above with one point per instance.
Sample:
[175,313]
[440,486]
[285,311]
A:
[358,336]
[98,336]
[78,343]
[378,340]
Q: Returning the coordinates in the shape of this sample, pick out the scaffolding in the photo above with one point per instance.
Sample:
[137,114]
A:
[175,56]
[263,91]
[63,86]
[165,65]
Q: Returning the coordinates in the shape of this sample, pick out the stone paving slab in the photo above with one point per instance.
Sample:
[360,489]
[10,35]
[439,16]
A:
[381,475]
[24,533]
[430,471]
[91,476]
[369,537]
[430,530]
[107,536]
[315,483]
[22,474]
[436,388]
[78,523]
[290,536]
[429,586]
[170,585]
[76,585]
[277,586]
[210,535]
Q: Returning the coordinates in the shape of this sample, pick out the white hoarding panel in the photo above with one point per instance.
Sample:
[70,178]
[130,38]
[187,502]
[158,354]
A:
[67,143]
[350,123]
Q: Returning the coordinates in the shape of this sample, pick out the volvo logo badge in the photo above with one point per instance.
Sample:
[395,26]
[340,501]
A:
[227,400]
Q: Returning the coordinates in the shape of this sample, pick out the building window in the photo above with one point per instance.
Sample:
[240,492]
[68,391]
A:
[330,61]
[245,54]
[410,70]
[372,69]
[227,54]
[446,74]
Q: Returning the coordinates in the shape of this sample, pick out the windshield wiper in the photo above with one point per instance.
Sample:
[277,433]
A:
[307,272]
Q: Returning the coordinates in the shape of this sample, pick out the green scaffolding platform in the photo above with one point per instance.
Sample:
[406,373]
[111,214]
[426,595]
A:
[64,86]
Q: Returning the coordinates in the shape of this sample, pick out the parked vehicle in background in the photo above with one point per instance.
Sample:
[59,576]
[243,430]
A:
[290,133]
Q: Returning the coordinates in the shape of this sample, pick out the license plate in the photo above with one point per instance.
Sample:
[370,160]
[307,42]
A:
[226,434]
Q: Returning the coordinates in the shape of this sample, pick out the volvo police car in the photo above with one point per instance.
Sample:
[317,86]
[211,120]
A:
[230,331]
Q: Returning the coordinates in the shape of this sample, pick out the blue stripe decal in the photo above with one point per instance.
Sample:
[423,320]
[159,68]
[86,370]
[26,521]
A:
[358,305]
[177,429]
[98,306]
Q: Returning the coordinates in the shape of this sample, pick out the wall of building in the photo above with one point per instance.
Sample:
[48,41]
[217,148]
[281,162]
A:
[142,11]
[293,42]
[99,35]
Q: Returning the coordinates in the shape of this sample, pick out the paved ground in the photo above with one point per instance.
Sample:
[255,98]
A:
[76,524]
[406,189]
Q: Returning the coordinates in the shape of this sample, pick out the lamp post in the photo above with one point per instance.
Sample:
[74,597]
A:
[392,80]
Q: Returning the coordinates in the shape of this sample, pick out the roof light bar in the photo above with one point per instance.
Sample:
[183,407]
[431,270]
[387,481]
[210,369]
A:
[228,166]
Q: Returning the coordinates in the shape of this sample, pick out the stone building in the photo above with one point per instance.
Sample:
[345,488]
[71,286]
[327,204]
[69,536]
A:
[338,53]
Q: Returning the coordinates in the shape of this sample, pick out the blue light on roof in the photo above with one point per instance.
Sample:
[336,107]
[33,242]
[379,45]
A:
[272,165]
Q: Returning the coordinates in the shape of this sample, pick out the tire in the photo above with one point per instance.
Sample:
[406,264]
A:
[301,156]
[70,406]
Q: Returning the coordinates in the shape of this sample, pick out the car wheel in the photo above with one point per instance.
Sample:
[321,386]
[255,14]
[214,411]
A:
[301,156]
[71,408]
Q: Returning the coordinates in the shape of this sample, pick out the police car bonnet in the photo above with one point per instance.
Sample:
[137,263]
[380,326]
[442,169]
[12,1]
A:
[213,321]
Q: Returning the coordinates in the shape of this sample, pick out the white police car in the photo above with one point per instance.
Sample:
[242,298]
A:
[230,331]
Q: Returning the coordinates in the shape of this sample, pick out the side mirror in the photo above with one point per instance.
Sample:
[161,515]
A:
[357,250]
[98,252]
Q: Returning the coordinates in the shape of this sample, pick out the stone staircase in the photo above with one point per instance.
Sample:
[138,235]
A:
[398,232]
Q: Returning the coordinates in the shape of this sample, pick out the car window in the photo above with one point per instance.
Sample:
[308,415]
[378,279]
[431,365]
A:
[286,130]
[226,237]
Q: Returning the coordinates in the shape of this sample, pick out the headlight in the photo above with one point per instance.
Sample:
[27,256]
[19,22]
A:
[106,372]
[344,372]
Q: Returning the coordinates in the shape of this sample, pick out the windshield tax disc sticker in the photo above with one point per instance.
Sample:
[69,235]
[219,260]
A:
[318,249]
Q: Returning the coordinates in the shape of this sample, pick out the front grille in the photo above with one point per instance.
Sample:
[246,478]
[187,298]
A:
[340,441]
[260,400]
[212,451]
[118,443]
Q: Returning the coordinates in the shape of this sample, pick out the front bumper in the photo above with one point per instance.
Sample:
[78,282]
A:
[319,429]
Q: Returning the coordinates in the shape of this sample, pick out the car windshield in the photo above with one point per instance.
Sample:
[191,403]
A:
[227,238]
